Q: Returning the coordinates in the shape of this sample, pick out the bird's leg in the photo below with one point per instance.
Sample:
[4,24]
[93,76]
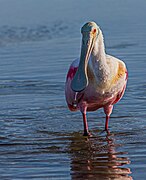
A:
[108,111]
[83,110]
[106,122]
[86,132]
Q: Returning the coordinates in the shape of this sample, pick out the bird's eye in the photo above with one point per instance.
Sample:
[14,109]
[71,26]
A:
[94,31]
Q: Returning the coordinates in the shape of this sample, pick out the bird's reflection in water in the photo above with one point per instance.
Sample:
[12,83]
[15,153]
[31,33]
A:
[98,158]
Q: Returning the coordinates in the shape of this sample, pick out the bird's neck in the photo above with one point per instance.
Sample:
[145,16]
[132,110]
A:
[98,52]
[98,60]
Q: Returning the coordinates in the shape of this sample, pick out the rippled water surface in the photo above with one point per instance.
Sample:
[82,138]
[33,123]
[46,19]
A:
[39,137]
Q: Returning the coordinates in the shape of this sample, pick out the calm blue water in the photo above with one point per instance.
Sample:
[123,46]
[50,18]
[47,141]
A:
[39,137]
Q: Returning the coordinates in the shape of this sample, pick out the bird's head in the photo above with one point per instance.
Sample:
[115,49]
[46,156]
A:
[90,32]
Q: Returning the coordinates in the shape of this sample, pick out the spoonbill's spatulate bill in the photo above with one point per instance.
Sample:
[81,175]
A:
[95,80]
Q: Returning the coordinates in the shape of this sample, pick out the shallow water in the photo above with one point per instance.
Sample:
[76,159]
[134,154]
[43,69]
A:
[39,137]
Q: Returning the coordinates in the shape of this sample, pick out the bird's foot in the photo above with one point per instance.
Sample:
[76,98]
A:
[107,131]
[87,133]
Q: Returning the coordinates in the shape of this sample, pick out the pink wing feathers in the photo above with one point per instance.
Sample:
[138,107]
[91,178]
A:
[68,91]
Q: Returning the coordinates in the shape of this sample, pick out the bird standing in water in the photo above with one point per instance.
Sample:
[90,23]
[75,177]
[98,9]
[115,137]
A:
[95,80]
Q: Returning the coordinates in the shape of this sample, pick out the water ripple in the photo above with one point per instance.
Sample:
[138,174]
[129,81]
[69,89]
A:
[15,34]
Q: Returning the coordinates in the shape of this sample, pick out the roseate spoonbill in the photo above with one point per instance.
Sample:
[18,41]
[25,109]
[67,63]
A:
[95,80]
